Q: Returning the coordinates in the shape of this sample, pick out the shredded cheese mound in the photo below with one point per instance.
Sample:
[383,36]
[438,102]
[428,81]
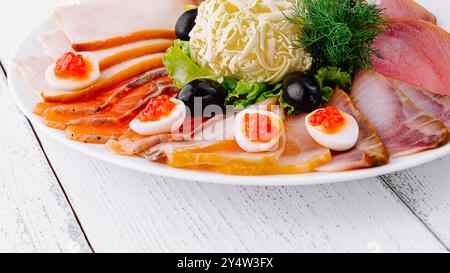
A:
[247,39]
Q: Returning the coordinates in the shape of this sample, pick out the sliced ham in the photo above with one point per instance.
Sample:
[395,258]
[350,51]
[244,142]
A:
[33,70]
[416,52]
[56,43]
[436,106]
[402,127]
[405,9]
[132,144]
[101,24]
[302,154]
[369,150]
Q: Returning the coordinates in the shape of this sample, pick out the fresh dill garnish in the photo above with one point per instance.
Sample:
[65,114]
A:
[338,33]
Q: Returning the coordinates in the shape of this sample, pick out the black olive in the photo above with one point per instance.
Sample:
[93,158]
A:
[302,92]
[185,24]
[208,92]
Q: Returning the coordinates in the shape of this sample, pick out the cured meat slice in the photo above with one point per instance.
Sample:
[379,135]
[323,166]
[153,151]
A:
[33,70]
[131,143]
[109,78]
[436,106]
[423,61]
[56,43]
[221,156]
[405,9]
[402,127]
[214,147]
[300,154]
[369,150]
[101,24]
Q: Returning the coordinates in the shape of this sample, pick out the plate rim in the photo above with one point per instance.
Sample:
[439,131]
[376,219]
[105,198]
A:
[152,168]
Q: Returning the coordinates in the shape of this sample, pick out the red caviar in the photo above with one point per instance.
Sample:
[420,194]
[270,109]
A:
[71,65]
[259,127]
[157,108]
[330,118]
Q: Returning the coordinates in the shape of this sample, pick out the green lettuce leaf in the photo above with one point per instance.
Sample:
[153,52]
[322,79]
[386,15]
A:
[328,78]
[243,94]
[290,110]
[181,67]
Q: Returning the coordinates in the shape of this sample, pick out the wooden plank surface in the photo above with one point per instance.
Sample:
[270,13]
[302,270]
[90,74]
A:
[122,210]
[426,190]
[35,216]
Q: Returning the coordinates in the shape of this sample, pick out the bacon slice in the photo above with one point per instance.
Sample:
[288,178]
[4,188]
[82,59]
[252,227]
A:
[369,150]
[402,127]
[101,24]
[416,52]
[56,43]
[436,106]
[405,9]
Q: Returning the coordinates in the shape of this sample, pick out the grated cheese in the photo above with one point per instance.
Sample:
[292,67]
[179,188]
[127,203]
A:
[247,39]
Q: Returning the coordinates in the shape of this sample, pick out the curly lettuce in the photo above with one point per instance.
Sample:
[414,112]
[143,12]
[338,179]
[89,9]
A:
[181,67]
[328,78]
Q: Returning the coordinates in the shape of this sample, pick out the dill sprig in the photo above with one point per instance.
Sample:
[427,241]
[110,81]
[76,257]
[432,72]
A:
[338,33]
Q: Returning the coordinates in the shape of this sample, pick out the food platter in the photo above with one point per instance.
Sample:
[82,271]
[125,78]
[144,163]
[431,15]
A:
[27,99]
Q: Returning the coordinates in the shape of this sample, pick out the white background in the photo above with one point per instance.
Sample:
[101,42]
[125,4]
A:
[55,199]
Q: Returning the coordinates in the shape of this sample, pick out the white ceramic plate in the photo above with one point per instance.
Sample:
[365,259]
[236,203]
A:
[26,100]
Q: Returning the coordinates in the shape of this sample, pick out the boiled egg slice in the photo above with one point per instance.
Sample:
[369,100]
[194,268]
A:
[342,137]
[73,83]
[168,122]
[258,130]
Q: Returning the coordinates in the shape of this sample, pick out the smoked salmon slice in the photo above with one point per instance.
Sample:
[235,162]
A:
[122,111]
[405,9]
[369,150]
[416,52]
[93,122]
[94,25]
[402,127]
[104,100]
[95,135]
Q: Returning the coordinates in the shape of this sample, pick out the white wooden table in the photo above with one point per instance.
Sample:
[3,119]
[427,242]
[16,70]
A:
[55,199]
